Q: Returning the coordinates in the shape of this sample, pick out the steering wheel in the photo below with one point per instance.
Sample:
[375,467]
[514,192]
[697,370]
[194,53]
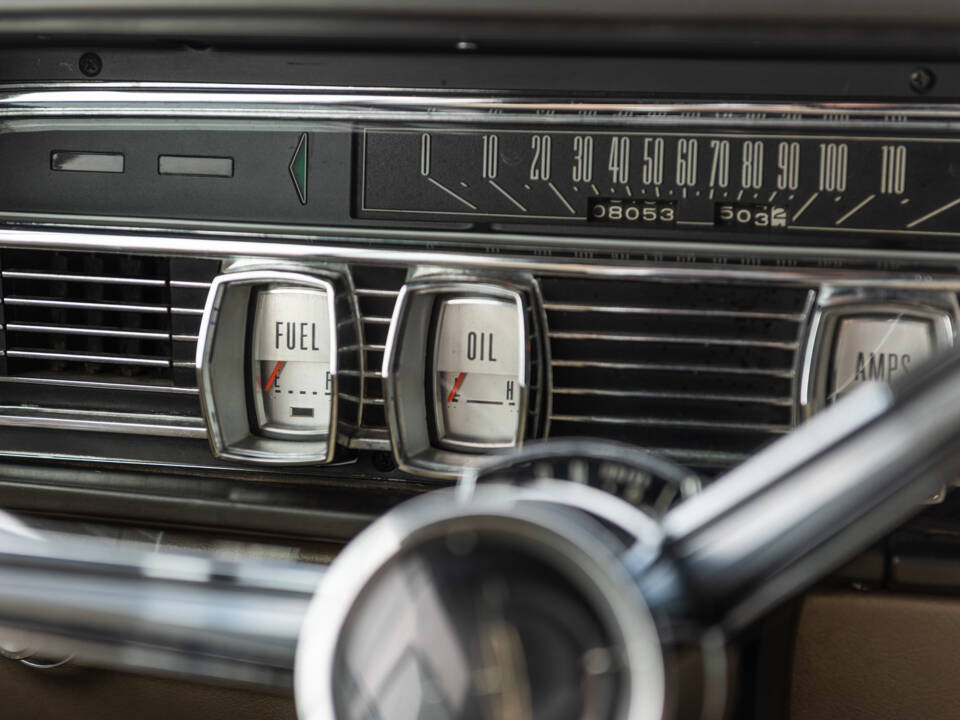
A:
[527,591]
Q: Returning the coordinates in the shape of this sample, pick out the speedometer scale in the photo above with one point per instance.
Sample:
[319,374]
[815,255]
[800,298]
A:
[661,180]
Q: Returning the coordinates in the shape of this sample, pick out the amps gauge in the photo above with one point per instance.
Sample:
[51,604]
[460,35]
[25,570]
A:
[860,335]
[462,371]
[269,358]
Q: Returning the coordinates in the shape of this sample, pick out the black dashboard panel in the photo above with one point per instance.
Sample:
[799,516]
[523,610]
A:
[675,306]
[255,183]
[648,27]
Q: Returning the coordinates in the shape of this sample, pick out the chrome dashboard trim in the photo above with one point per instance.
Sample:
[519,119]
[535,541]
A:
[95,385]
[297,249]
[155,99]
[219,230]
[85,421]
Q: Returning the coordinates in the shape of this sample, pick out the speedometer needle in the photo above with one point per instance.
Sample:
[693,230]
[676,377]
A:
[273,375]
[456,386]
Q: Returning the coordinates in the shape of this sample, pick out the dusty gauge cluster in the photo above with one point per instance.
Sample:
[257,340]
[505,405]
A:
[280,361]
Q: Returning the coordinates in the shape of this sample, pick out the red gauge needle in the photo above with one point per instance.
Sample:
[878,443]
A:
[456,386]
[273,375]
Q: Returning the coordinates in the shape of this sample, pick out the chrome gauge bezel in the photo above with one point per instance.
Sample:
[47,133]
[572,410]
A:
[835,303]
[535,518]
[223,367]
[408,391]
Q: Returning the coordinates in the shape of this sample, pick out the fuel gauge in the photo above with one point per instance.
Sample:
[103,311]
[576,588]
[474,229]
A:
[292,383]
[276,357]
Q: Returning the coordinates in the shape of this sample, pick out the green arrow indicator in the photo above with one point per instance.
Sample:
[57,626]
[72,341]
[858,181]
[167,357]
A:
[298,169]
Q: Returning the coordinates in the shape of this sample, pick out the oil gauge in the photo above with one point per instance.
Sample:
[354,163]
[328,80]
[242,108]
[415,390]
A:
[462,371]
[478,380]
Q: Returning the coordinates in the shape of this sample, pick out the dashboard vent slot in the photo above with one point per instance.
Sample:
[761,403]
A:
[100,333]
[701,373]
[377,288]
[91,316]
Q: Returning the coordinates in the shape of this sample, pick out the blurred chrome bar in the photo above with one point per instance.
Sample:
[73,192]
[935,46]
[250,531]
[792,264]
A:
[812,500]
[133,609]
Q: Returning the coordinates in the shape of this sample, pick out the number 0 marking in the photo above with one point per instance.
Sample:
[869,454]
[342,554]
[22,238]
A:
[425,154]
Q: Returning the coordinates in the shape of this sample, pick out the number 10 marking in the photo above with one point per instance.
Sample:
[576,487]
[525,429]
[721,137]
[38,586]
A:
[491,156]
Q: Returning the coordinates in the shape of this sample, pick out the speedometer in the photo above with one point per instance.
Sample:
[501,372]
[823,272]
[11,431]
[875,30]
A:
[666,181]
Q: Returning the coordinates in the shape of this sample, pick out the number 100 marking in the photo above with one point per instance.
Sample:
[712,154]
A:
[833,167]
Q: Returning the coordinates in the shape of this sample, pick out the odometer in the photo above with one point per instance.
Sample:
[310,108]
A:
[727,181]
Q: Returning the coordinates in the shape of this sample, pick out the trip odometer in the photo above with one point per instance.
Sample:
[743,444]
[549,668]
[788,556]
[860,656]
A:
[663,180]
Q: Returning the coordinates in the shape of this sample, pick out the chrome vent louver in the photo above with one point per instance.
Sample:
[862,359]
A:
[701,373]
[377,288]
[92,332]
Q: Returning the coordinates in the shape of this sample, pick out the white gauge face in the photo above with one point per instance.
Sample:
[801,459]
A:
[292,379]
[479,379]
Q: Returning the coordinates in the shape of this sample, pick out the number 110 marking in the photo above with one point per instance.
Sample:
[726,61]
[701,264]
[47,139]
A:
[893,171]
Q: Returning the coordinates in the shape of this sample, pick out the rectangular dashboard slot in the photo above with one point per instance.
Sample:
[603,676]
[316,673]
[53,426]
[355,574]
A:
[201,166]
[93,162]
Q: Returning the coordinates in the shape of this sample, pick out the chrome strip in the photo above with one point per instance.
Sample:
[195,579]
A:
[93,385]
[668,423]
[81,357]
[666,395]
[62,277]
[96,332]
[76,305]
[369,442]
[669,367]
[86,421]
[670,339]
[373,292]
[327,251]
[684,312]
[713,458]
[205,100]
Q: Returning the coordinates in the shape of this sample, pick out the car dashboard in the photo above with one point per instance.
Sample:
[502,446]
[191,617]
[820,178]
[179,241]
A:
[264,280]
